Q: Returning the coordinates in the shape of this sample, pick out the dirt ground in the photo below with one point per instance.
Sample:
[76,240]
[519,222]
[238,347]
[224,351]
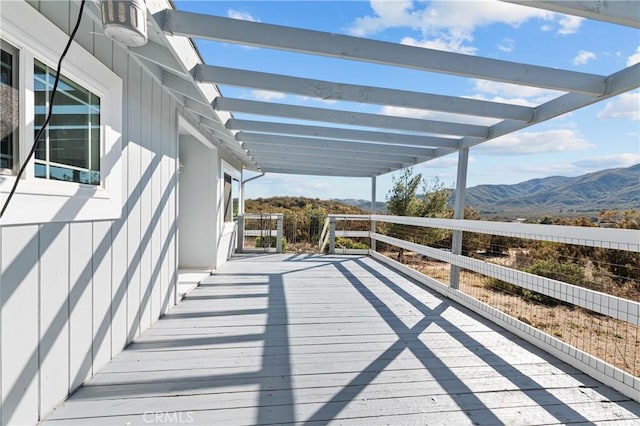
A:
[616,342]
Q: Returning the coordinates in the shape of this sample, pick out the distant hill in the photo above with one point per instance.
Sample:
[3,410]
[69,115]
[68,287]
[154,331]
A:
[611,189]
[300,205]
[381,206]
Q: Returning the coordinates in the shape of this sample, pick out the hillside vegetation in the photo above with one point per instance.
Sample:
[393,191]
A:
[603,190]
[588,194]
[300,206]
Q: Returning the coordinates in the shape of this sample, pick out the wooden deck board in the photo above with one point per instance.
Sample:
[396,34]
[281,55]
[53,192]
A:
[277,339]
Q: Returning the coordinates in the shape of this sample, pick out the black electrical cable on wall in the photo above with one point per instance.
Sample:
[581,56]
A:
[46,121]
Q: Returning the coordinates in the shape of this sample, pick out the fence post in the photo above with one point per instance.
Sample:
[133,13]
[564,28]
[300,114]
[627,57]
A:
[332,235]
[279,227]
[373,212]
[456,239]
[240,234]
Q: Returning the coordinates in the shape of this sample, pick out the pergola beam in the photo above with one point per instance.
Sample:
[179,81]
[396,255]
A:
[329,90]
[351,118]
[343,167]
[332,144]
[327,158]
[159,55]
[338,133]
[327,153]
[352,164]
[620,82]
[374,51]
[323,171]
[183,87]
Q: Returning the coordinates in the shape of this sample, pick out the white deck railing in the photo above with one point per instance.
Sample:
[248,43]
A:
[262,227]
[625,310]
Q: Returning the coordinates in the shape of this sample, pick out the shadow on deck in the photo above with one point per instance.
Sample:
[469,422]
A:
[278,339]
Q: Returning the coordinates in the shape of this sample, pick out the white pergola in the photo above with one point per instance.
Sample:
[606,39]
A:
[393,142]
[351,143]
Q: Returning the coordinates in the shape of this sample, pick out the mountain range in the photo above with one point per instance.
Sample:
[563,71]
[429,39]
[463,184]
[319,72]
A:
[611,189]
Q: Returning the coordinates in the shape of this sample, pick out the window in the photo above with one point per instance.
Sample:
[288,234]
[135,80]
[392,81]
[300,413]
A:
[231,198]
[76,174]
[235,193]
[69,149]
[9,96]
[228,199]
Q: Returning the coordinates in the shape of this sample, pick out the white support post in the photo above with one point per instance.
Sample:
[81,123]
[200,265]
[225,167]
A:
[373,211]
[332,235]
[279,233]
[240,234]
[461,188]
[241,195]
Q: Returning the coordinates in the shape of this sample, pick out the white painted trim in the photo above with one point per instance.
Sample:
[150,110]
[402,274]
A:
[326,90]
[229,170]
[42,200]
[379,52]
[186,125]
[606,304]
[608,374]
[619,239]
[351,118]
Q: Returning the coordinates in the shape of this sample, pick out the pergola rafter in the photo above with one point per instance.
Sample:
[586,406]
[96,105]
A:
[354,48]
[367,140]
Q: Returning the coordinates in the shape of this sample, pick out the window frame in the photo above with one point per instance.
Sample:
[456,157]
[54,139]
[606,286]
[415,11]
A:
[40,200]
[15,53]
[45,140]
[228,170]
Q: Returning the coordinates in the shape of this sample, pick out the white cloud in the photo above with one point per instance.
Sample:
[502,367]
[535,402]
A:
[449,25]
[531,95]
[504,100]
[446,162]
[538,169]
[265,95]
[569,24]
[387,15]
[635,58]
[445,25]
[308,99]
[546,28]
[583,57]
[626,159]
[626,105]
[525,143]
[506,45]
[245,16]
[436,115]
[448,44]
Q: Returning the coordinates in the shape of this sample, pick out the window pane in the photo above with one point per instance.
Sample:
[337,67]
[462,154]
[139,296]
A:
[228,200]
[8,107]
[70,147]
[235,192]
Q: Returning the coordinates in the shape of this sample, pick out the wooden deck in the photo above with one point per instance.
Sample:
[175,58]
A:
[276,339]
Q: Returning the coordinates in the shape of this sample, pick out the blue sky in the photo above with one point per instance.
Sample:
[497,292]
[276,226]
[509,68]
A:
[597,137]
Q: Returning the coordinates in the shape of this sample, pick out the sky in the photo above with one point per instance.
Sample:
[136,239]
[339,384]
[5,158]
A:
[601,136]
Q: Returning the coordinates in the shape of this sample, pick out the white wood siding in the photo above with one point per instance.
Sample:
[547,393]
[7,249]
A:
[74,294]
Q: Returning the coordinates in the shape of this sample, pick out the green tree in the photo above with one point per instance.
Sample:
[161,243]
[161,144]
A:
[403,200]
[433,203]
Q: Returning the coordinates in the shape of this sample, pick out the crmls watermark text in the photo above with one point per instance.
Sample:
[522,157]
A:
[168,417]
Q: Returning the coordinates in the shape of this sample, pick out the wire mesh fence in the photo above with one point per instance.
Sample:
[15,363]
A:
[609,271]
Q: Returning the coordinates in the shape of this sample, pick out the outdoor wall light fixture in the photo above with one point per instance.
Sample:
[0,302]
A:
[125,21]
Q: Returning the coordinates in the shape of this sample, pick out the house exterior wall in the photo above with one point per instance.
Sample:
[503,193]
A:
[75,293]
[199,197]
[226,241]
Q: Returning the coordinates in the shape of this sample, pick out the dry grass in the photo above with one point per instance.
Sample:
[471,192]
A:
[616,342]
